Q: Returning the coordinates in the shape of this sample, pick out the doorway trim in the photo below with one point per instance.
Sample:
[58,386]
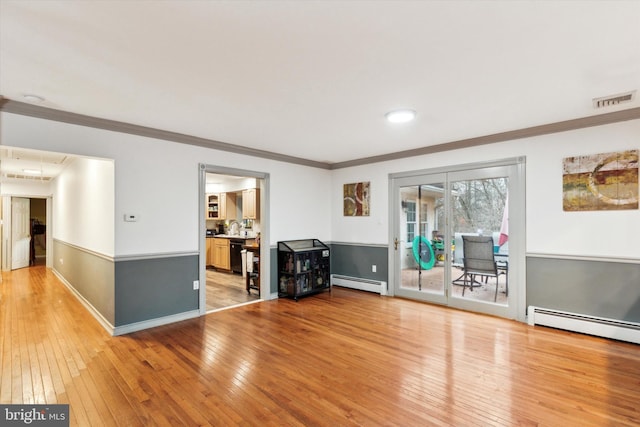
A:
[5,243]
[265,259]
[517,223]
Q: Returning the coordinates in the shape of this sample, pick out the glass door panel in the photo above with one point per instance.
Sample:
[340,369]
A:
[479,207]
[420,256]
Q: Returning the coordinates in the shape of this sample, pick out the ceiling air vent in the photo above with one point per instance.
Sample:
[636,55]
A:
[608,101]
[10,175]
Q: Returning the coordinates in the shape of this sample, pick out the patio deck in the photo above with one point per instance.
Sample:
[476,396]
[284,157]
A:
[433,281]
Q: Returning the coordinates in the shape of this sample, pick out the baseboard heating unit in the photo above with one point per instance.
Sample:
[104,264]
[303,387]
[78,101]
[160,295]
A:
[591,325]
[376,286]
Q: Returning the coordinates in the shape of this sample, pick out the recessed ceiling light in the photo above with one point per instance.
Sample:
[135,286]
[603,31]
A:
[400,116]
[32,171]
[32,98]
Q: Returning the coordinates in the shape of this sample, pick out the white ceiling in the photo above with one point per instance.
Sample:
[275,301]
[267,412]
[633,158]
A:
[313,79]
[31,165]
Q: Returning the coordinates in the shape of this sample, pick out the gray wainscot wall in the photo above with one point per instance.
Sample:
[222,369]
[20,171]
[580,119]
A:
[90,275]
[130,294]
[606,288]
[273,266]
[155,288]
[355,260]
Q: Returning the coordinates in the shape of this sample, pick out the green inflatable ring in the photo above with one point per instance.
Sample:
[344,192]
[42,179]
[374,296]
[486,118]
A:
[423,253]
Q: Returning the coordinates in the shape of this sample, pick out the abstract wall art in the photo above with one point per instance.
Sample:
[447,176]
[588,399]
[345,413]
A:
[356,199]
[607,181]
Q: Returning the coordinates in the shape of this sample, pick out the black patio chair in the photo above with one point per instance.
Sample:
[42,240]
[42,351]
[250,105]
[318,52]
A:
[478,260]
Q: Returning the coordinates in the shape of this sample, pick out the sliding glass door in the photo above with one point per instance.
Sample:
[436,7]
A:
[437,215]
[421,267]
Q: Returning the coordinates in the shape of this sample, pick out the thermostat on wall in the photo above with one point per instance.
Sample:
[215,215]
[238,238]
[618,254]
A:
[130,217]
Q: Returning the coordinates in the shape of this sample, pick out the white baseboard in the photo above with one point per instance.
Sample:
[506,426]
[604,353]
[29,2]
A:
[152,323]
[95,313]
[591,325]
[368,285]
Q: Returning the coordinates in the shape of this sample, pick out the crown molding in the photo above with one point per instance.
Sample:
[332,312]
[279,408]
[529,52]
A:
[31,110]
[564,126]
[26,109]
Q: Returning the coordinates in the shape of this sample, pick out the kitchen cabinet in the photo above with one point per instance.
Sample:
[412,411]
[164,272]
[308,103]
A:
[228,206]
[303,268]
[221,253]
[209,256]
[221,206]
[251,203]
[212,206]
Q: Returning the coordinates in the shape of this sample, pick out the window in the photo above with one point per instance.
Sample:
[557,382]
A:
[423,220]
[411,221]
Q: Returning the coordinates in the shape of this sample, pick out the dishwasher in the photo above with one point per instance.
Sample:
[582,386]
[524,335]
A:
[236,255]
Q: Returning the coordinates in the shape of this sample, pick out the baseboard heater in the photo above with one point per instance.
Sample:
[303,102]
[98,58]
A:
[370,285]
[591,325]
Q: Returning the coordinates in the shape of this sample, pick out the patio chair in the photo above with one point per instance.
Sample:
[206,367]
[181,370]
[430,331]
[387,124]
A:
[478,260]
[458,255]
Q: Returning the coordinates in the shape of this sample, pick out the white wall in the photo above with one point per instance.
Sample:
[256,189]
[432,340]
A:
[549,229]
[158,181]
[83,205]
[36,189]
[300,203]
[370,229]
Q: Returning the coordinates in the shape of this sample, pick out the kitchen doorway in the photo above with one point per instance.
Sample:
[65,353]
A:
[234,266]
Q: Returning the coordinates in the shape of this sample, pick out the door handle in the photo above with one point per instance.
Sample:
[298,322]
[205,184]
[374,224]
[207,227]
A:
[395,243]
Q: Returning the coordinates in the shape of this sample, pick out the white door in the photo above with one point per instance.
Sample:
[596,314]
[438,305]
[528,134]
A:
[20,232]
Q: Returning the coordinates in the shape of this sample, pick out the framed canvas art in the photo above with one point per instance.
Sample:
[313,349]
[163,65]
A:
[607,181]
[356,199]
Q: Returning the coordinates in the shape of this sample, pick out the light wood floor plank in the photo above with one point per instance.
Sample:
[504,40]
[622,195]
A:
[338,358]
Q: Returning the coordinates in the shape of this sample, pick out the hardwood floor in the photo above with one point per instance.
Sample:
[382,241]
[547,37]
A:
[342,357]
[227,289]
